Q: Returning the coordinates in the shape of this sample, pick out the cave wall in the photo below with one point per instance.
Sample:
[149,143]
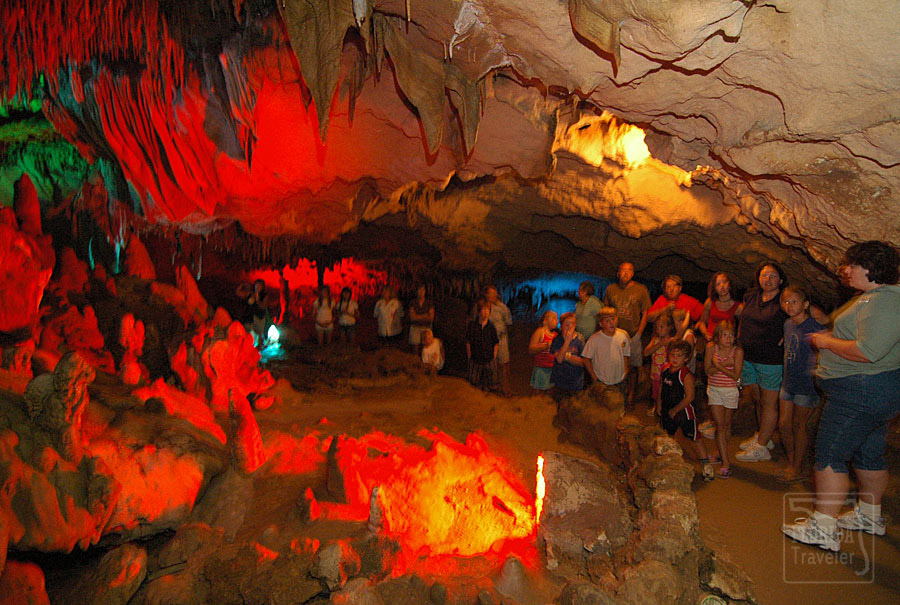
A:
[772,126]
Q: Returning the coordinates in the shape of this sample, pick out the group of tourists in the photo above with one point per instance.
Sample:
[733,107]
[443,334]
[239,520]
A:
[785,353]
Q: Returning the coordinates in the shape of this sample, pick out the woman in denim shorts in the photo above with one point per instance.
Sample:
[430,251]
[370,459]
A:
[759,335]
[859,373]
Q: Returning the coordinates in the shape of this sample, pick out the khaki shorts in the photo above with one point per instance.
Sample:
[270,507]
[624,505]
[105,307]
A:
[415,334]
[636,359]
[503,349]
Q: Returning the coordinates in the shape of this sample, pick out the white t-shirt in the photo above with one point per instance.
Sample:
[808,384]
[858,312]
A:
[433,354]
[324,314]
[389,316]
[607,355]
[347,315]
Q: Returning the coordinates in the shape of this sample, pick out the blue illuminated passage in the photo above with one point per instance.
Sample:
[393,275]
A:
[529,298]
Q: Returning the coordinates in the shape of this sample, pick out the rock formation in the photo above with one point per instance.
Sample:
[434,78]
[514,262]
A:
[768,129]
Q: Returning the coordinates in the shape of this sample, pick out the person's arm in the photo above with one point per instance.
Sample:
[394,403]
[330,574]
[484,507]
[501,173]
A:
[681,327]
[645,305]
[535,345]
[655,310]
[651,347]
[588,365]
[848,349]
[709,362]
[704,320]
[688,395]
[430,315]
[738,363]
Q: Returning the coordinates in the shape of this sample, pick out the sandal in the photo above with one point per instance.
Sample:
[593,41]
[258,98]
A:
[724,473]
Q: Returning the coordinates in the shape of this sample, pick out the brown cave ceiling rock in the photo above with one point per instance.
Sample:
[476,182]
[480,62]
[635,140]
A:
[772,126]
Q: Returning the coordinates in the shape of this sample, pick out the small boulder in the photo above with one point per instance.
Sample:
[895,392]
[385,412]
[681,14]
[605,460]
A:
[22,584]
[335,563]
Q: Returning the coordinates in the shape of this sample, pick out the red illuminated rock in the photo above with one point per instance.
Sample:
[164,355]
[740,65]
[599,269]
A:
[49,503]
[232,365]
[23,278]
[22,583]
[72,275]
[131,337]
[183,405]
[114,578]
[15,366]
[171,295]
[137,260]
[247,452]
[55,403]
[80,332]
[194,301]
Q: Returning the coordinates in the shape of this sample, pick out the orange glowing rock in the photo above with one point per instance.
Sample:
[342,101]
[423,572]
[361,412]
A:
[451,499]
[22,582]
[183,405]
[247,448]
[291,455]
[233,365]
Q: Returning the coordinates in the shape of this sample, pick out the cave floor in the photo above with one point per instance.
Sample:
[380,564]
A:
[741,515]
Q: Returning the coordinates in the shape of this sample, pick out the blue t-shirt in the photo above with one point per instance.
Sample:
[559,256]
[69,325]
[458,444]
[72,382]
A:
[564,375]
[799,358]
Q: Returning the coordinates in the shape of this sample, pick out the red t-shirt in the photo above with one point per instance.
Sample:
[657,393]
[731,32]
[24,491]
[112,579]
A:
[684,302]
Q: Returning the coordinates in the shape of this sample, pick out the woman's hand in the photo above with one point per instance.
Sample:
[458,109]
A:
[820,339]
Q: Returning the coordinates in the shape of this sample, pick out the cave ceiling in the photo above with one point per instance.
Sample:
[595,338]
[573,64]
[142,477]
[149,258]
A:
[692,135]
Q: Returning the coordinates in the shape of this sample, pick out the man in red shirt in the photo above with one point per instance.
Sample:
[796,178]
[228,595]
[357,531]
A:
[674,301]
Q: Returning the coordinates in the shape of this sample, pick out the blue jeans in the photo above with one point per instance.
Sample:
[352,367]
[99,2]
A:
[855,420]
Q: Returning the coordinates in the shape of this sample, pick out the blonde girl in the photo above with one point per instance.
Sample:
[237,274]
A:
[723,363]
[540,348]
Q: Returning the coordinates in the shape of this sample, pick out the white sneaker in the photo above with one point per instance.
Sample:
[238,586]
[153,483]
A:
[748,442]
[755,453]
[856,520]
[808,531]
[709,473]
